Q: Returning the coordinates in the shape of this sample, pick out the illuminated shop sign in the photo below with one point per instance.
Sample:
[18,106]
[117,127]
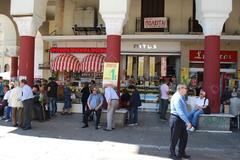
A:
[78,50]
[225,56]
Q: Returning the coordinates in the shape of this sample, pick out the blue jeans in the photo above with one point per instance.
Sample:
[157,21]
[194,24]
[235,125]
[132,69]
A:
[194,115]
[52,106]
[133,115]
[8,112]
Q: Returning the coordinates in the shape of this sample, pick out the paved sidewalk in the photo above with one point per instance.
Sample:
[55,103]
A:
[62,138]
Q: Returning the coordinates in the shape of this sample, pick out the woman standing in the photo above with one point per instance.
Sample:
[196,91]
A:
[16,104]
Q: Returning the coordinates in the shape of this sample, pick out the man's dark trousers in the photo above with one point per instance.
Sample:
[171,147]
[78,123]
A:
[178,133]
[88,113]
[164,107]
[27,112]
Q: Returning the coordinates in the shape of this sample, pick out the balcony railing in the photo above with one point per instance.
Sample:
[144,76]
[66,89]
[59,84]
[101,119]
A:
[89,30]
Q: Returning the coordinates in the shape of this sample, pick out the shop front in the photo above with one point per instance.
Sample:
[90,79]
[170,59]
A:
[146,64]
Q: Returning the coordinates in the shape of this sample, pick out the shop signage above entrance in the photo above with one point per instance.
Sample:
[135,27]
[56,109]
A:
[225,56]
[155,22]
[78,50]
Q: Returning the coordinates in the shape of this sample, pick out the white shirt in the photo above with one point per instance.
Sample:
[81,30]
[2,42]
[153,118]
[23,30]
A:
[26,93]
[164,91]
[200,102]
[110,94]
[7,95]
[15,95]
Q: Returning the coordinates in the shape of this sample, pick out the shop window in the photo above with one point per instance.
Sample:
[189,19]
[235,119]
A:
[6,68]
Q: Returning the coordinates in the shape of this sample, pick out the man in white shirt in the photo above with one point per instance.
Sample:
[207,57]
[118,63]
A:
[113,102]
[27,101]
[201,102]
[164,99]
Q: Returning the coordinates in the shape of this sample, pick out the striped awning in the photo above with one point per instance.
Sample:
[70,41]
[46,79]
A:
[92,63]
[66,62]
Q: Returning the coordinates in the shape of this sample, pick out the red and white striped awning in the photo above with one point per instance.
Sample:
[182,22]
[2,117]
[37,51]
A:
[92,63]
[66,62]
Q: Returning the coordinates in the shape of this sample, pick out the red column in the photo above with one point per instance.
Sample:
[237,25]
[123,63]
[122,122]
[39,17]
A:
[211,72]
[113,52]
[26,58]
[14,67]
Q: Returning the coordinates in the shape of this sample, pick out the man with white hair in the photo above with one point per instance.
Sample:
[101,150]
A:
[179,123]
[200,104]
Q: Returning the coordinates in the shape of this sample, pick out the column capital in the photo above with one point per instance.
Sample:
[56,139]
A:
[212,18]
[114,23]
[114,14]
[29,25]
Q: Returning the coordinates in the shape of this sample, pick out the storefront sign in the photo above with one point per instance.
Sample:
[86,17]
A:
[225,56]
[239,73]
[155,22]
[163,66]
[129,66]
[110,74]
[140,66]
[185,75]
[145,46]
[78,50]
[152,67]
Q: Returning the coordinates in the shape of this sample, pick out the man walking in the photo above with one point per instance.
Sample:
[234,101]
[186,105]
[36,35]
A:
[27,101]
[112,104]
[179,123]
[164,99]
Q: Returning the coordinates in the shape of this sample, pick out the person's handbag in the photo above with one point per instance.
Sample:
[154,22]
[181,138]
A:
[206,110]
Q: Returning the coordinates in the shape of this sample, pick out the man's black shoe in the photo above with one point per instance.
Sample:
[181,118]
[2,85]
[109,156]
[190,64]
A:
[26,128]
[85,126]
[173,157]
[185,156]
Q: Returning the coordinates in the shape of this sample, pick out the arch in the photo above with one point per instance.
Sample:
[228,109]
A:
[8,37]
[6,68]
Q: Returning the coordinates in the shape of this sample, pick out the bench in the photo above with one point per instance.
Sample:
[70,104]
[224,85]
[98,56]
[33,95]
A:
[215,122]
[120,117]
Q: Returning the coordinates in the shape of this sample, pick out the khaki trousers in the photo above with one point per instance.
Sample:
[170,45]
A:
[17,116]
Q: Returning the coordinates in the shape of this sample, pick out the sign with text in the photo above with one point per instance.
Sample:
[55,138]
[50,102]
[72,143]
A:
[152,67]
[225,56]
[130,66]
[140,66]
[155,22]
[163,66]
[110,74]
[77,50]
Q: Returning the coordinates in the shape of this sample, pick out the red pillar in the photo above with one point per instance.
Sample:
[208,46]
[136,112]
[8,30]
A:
[212,71]
[14,67]
[113,52]
[26,58]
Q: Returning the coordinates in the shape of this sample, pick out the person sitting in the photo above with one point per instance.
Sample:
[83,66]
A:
[201,103]
[124,99]
[7,109]
[95,101]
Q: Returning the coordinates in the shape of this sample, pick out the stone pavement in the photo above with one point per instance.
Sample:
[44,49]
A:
[62,138]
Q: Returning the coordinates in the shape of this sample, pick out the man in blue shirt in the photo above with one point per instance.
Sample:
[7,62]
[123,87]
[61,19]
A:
[95,101]
[179,123]
[27,101]
[1,89]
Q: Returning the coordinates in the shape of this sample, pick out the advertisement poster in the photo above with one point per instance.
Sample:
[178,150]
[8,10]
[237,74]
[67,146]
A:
[238,73]
[110,74]
[152,67]
[130,66]
[185,75]
[140,66]
[163,66]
